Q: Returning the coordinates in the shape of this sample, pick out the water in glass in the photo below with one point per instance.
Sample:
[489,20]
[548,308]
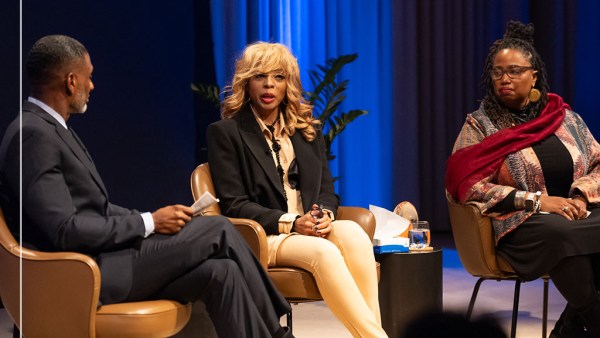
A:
[419,236]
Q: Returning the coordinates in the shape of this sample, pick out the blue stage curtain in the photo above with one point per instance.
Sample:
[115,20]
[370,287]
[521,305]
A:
[316,31]
[418,74]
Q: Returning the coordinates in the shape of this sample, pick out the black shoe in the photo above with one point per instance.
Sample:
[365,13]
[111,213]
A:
[569,325]
[577,330]
[591,319]
[555,333]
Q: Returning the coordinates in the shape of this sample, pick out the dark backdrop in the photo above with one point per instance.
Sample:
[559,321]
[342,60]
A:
[140,124]
[146,132]
[9,62]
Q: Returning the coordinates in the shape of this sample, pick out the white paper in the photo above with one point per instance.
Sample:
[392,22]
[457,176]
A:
[547,213]
[205,201]
[388,224]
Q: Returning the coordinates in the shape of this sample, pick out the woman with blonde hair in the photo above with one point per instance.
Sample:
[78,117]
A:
[268,163]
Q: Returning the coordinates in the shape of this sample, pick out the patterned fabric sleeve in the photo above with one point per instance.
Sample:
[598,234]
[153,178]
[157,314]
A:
[587,172]
[486,193]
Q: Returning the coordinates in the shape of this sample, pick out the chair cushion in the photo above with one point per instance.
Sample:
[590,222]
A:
[157,318]
[298,285]
[295,284]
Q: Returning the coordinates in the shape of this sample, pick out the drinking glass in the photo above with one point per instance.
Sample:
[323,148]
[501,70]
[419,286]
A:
[419,235]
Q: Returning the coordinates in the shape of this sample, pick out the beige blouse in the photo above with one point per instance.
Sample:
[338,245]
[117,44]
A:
[294,201]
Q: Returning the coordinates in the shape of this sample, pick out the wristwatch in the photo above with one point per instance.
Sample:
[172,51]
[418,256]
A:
[531,200]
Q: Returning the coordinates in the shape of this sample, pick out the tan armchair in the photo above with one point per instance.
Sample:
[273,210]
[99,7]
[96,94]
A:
[60,298]
[297,285]
[475,244]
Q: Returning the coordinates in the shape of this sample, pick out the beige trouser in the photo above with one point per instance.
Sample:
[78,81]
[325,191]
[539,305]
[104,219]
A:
[343,265]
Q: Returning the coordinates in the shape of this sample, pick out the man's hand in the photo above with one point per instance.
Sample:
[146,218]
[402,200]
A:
[170,219]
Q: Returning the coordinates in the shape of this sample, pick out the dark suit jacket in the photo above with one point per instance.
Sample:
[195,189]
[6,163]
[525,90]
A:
[65,203]
[246,179]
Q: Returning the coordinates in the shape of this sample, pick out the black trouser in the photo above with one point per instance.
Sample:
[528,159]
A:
[210,261]
[577,279]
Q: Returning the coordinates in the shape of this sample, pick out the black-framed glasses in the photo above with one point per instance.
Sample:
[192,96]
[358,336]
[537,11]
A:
[512,72]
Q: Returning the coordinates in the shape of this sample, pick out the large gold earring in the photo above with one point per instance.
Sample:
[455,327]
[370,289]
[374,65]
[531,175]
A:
[534,95]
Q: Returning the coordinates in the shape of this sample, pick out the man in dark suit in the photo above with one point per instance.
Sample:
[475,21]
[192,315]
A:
[65,207]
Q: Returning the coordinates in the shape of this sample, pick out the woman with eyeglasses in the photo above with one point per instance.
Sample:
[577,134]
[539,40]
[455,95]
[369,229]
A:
[526,160]
[268,163]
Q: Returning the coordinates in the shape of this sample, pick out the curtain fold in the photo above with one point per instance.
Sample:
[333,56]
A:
[418,74]
[316,31]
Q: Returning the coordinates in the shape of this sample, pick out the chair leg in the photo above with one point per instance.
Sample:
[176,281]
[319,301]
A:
[289,319]
[473,297]
[545,309]
[515,314]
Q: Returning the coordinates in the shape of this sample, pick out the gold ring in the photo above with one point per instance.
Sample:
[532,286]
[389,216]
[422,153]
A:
[565,208]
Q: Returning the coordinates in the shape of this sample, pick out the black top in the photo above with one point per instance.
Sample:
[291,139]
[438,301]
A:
[557,166]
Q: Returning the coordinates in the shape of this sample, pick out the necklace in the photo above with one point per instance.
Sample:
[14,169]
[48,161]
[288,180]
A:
[276,149]
[522,115]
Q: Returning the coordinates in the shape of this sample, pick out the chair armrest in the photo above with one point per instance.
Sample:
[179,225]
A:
[362,216]
[60,294]
[201,182]
[255,236]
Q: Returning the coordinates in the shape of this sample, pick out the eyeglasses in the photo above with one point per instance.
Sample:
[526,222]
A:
[512,72]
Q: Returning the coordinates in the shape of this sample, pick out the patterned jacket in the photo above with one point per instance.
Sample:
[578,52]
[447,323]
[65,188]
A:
[521,170]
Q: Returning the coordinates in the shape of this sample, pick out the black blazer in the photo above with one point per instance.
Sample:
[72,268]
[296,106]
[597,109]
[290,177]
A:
[246,179]
[65,202]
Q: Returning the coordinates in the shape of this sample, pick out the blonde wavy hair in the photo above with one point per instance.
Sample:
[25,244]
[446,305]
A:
[261,58]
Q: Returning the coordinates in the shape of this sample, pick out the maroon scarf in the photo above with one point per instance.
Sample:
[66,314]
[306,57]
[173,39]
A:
[471,164]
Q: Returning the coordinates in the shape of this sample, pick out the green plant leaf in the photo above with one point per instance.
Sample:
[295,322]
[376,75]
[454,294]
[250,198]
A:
[327,74]
[337,124]
[328,95]
[208,92]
